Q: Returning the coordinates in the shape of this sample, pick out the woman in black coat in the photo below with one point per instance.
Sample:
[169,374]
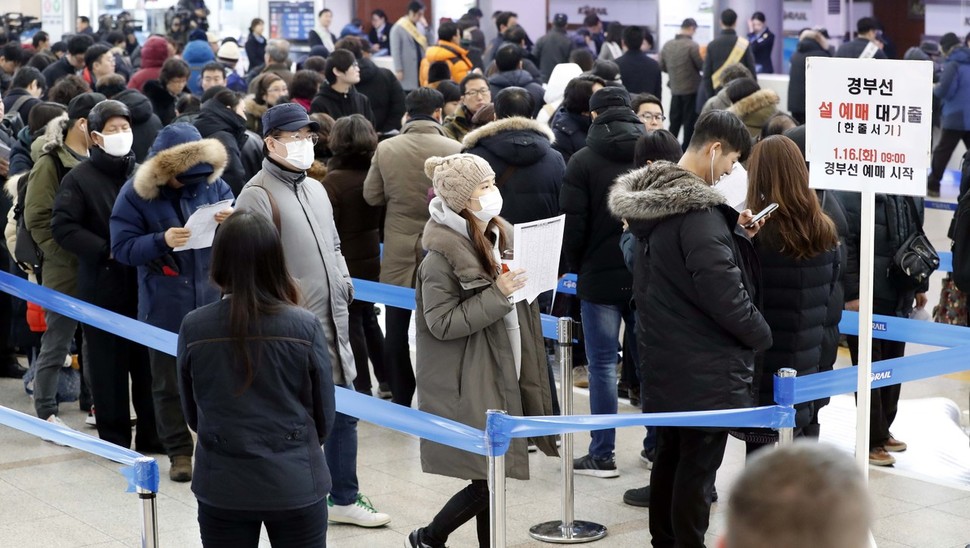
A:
[79,223]
[224,119]
[256,385]
[798,250]
[256,44]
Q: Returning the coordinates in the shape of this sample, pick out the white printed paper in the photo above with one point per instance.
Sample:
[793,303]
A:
[734,187]
[537,247]
[202,225]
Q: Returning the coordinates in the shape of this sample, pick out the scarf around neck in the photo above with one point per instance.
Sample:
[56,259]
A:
[412,29]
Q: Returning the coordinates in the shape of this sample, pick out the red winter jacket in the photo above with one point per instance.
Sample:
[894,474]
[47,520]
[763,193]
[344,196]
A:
[154,52]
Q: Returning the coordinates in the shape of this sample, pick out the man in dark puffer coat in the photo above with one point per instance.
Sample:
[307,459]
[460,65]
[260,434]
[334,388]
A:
[145,124]
[698,328]
[592,248]
[530,191]
[220,121]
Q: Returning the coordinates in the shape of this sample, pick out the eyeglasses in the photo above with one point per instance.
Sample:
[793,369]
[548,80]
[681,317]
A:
[312,137]
[277,90]
[478,92]
[647,117]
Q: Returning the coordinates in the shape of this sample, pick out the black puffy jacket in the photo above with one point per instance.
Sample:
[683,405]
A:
[698,326]
[591,243]
[570,131]
[385,94]
[830,341]
[222,123]
[796,78]
[895,221]
[163,102]
[338,105]
[531,191]
[145,125]
[518,78]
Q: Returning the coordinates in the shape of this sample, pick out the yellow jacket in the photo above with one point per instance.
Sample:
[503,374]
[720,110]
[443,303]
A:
[449,52]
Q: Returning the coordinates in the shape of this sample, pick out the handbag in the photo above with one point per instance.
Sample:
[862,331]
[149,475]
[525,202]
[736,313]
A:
[952,309]
[915,260]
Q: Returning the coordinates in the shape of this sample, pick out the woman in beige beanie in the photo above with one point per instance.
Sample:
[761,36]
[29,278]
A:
[476,349]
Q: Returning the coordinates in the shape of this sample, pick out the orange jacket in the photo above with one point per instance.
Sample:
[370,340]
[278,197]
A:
[453,54]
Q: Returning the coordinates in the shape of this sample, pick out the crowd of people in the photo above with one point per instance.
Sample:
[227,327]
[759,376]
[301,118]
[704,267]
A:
[336,168]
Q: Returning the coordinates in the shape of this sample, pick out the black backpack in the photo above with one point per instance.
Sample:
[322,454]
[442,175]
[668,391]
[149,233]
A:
[27,253]
[12,121]
[959,231]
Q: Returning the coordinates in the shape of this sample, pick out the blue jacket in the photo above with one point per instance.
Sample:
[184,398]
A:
[258,448]
[170,284]
[197,53]
[954,90]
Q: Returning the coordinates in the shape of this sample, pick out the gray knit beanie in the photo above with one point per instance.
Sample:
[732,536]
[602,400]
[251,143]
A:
[456,177]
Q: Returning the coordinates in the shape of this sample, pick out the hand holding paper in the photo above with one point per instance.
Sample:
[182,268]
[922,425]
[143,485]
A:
[201,226]
[538,245]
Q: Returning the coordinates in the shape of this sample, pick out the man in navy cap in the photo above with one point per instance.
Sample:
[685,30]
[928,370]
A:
[182,173]
[301,211]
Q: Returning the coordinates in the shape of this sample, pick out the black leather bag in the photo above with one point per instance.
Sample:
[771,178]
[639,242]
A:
[915,260]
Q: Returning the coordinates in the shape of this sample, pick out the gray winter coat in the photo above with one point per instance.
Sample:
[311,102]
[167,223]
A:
[464,362]
[306,225]
[407,55]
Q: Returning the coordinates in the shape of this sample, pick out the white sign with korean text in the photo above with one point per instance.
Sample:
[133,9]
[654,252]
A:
[868,124]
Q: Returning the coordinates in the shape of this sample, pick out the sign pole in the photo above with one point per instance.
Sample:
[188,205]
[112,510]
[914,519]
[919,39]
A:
[864,369]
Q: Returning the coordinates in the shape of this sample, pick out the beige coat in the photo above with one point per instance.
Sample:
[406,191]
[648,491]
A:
[396,180]
[465,364]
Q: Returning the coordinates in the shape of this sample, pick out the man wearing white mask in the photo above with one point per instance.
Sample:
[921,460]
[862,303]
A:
[80,224]
[301,210]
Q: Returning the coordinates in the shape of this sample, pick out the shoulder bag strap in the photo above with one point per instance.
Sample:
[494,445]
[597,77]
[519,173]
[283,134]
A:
[274,210]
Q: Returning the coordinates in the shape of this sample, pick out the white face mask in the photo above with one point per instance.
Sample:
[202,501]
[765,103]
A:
[299,154]
[491,206]
[117,144]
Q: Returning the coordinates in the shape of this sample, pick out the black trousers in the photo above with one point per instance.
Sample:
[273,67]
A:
[941,154]
[172,429]
[299,528]
[885,401]
[367,342]
[681,483]
[683,114]
[397,355]
[470,502]
[111,360]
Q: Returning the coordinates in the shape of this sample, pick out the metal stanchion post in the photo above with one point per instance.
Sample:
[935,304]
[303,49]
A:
[496,491]
[567,530]
[149,512]
[786,435]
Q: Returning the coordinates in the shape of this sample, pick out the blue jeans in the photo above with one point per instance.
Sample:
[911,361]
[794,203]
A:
[340,449]
[601,331]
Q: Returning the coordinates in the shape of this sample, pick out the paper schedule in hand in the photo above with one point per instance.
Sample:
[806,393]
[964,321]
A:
[202,225]
[537,247]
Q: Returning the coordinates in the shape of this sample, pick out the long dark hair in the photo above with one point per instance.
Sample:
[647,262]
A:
[248,265]
[482,243]
[777,173]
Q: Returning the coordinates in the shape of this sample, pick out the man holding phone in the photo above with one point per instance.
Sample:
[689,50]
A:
[698,326]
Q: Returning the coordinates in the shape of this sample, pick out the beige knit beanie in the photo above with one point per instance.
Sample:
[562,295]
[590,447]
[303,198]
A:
[456,177]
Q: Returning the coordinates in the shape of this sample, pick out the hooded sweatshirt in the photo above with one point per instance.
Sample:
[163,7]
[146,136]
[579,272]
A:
[154,52]
[145,125]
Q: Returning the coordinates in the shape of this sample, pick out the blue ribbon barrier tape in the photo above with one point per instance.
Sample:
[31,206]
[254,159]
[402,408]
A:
[893,328]
[884,373]
[123,326]
[784,390]
[774,416]
[411,421]
[937,204]
[496,438]
[946,261]
[141,471]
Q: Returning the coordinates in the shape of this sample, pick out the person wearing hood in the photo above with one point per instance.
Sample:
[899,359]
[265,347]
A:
[154,52]
[752,104]
[320,35]
[164,93]
[145,124]
[528,171]
[222,118]
[381,88]
[555,89]
[696,287]
[197,54]
[508,61]
[182,173]
[571,122]
[466,320]
[82,209]
[303,215]
[811,43]
[66,145]
[591,245]
[475,94]
[338,97]
[397,181]
[953,90]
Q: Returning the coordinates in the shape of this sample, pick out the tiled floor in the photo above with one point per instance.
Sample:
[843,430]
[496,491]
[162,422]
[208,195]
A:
[57,497]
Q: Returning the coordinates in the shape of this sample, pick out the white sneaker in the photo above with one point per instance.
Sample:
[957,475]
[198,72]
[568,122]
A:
[91,420]
[361,513]
[54,419]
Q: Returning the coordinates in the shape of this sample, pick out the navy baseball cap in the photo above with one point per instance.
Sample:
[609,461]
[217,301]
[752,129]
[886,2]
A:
[287,117]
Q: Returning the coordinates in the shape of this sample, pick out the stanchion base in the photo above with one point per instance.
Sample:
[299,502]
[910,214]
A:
[554,532]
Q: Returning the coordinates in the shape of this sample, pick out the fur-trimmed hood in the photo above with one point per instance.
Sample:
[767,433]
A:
[168,163]
[660,190]
[54,133]
[254,108]
[516,141]
[763,99]
[458,250]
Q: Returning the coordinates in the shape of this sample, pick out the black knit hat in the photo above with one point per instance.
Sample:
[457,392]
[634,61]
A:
[104,111]
[81,106]
[608,97]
